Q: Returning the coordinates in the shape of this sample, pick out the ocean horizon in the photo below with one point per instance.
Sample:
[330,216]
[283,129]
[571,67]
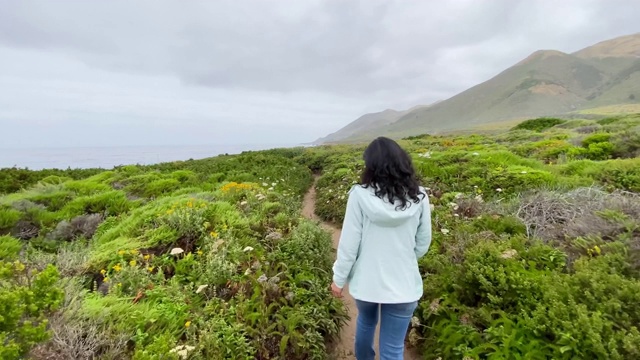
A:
[108,157]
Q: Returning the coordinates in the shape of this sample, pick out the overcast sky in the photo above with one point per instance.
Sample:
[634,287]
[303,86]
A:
[112,73]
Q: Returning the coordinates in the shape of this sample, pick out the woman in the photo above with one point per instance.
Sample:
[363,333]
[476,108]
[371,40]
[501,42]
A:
[386,229]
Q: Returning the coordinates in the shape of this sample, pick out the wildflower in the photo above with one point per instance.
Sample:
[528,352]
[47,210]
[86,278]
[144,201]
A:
[265,184]
[170,211]
[200,288]
[150,269]
[117,268]
[199,252]
[121,252]
[132,263]
[523,172]
[290,295]
[147,257]
[475,154]
[134,252]
[213,234]
[444,231]
[187,324]
[509,254]
[243,203]
[176,251]
[499,190]
[247,249]
[103,271]
[224,227]
[415,321]
[119,285]
[105,280]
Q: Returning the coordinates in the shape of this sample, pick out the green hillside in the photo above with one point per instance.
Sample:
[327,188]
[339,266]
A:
[547,83]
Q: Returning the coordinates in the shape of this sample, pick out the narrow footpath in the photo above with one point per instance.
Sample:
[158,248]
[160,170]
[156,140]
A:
[343,348]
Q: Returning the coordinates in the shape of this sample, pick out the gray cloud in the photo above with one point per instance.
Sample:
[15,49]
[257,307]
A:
[303,68]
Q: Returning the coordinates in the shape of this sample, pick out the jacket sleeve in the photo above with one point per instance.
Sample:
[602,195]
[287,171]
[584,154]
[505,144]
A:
[423,235]
[350,238]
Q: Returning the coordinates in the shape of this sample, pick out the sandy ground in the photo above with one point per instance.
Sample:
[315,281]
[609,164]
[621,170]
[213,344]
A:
[343,348]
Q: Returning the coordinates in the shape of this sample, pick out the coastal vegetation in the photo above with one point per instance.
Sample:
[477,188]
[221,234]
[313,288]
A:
[536,251]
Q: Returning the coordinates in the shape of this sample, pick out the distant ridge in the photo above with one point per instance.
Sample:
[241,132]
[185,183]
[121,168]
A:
[546,83]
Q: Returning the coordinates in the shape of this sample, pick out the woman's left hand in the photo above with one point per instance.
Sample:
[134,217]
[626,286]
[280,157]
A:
[337,292]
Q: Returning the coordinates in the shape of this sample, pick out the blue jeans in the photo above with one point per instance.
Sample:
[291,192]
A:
[394,322]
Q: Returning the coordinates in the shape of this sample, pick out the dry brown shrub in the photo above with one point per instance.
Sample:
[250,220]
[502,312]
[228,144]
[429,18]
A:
[77,337]
[557,216]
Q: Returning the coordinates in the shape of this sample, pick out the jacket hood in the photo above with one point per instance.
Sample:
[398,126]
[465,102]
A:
[382,212]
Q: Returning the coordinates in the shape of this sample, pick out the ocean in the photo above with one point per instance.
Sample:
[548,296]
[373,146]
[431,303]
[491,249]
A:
[108,157]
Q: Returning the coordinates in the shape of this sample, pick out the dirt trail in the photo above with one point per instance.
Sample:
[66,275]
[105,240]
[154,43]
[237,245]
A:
[343,348]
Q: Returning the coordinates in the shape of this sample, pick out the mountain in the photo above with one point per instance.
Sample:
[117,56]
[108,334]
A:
[366,125]
[546,83]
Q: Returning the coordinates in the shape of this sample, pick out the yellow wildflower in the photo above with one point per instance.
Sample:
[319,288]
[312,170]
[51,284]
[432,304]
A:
[170,211]
[213,234]
[103,271]
[105,279]
[121,252]
[117,267]
[225,227]
[119,284]
[147,257]
[132,263]
[187,324]
[134,252]
[150,268]
[19,266]
[199,252]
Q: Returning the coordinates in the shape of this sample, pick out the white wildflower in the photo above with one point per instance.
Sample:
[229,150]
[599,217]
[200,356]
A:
[499,190]
[415,321]
[444,231]
[176,251]
[243,203]
[475,154]
[265,184]
[247,249]
[270,189]
[523,172]
[509,254]
[274,184]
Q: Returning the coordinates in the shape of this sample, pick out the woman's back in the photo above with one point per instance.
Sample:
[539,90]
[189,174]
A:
[392,240]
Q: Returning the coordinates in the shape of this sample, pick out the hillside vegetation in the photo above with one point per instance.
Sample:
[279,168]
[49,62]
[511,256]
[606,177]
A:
[536,251]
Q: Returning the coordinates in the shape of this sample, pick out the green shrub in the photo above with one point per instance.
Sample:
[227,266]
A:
[9,248]
[539,124]
[8,218]
[26,297]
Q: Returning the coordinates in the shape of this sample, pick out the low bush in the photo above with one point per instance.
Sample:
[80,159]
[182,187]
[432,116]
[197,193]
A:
[539,124]
[27,297]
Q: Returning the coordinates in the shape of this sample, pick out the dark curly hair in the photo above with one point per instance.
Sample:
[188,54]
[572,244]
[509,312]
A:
[389,171]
